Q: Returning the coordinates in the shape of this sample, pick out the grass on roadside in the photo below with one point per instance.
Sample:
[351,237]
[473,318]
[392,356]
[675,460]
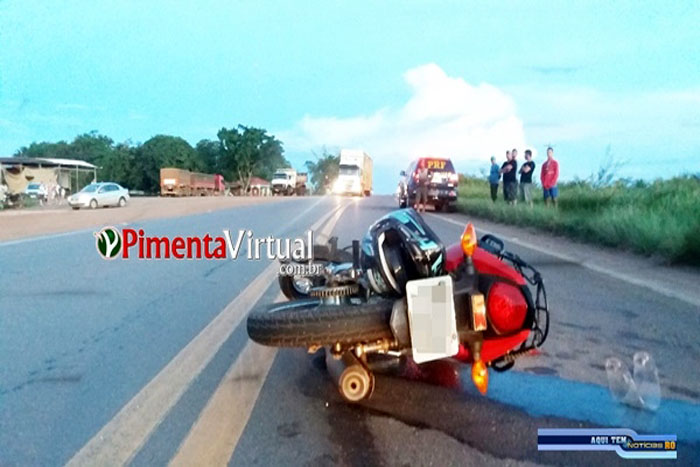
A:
[661,217]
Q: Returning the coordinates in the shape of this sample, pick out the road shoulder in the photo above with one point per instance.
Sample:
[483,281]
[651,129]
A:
[16,225]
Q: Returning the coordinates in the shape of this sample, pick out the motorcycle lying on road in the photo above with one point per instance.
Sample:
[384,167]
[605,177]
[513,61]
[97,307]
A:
[400,292]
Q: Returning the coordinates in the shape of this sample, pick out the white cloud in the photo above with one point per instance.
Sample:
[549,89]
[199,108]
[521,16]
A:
[566,114]
[445,116]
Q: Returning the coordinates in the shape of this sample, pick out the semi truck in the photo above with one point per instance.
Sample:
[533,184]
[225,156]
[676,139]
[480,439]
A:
[354,173]
[287,182]
[181,182]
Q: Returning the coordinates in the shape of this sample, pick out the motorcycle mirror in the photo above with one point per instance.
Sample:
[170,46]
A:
[492,244]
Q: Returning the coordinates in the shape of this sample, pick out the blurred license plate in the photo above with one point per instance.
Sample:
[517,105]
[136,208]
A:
[431,318]
[432,193]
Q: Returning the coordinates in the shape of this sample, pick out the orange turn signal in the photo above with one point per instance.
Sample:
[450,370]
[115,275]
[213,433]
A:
[480,376]
[469,240]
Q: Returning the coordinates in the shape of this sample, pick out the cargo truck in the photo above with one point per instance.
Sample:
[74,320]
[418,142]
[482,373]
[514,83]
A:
[288,182]
[354,173]
[181,182]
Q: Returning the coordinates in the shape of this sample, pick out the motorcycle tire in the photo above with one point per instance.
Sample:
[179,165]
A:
[307,323]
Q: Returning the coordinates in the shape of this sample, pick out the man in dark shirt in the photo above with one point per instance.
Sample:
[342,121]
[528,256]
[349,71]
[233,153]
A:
[509,170]
[526,172]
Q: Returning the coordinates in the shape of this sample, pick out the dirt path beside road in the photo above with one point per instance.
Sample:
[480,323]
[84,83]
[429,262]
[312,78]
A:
[16,224]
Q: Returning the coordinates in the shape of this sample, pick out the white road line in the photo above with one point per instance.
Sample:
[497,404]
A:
[325,234]
[623,276]
[48,237]
[215,434]
[122,437]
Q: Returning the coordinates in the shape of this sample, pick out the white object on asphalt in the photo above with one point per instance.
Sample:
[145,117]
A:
[640,389]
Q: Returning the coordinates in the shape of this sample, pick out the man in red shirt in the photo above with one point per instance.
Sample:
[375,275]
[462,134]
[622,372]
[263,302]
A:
[549,177]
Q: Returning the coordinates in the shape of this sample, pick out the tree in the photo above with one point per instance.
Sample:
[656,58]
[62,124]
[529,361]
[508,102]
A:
[91,147]
[323,171]
[164,151]
[272,158]
[120,166]
[608,170]
[209,153]
[238,154]
[247,151]
[45,149]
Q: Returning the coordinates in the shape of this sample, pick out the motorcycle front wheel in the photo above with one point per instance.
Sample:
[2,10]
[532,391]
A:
[307,323]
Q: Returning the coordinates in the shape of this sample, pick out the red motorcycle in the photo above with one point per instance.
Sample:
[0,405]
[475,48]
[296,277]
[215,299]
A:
[401,293]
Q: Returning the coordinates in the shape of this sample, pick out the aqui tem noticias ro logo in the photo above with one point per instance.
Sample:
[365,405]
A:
[626,442]
[108,242]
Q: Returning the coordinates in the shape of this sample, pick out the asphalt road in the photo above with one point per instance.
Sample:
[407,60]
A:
[147,362]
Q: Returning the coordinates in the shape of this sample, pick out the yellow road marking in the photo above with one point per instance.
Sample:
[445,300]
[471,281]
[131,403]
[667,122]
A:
[214,436]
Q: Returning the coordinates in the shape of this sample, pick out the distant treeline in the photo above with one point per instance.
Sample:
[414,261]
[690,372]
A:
[238,154]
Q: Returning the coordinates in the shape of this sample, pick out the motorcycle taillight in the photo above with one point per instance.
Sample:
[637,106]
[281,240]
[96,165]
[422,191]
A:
[506,308]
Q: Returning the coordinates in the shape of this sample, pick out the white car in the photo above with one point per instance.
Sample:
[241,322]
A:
[36,190]
[99,194]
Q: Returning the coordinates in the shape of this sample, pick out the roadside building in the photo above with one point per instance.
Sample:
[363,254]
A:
[259,187]
[65,175]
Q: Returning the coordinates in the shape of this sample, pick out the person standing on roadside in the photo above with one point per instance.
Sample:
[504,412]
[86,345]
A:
[502,171]
[509,170]
[494,177]
[549,176]
[514,158]
[422,189]
[526,172]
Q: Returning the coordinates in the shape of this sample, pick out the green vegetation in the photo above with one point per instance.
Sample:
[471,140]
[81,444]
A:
[323,171]
[237,153]
[247,152]
[657,218]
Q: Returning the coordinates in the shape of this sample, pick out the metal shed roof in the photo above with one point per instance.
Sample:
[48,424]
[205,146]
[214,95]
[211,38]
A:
[72,163]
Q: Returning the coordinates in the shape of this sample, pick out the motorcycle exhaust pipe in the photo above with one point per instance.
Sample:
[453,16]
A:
[354,381]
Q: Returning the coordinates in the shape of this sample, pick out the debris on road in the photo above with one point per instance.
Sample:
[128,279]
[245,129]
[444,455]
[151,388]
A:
[640,389]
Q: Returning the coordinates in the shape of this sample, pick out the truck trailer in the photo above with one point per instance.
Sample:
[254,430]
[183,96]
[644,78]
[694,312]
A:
[354,173]
[181,182]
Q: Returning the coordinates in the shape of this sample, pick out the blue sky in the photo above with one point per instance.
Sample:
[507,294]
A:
[400,79]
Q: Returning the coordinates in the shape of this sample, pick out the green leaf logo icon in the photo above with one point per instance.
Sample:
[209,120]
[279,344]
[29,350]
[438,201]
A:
[109,242]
